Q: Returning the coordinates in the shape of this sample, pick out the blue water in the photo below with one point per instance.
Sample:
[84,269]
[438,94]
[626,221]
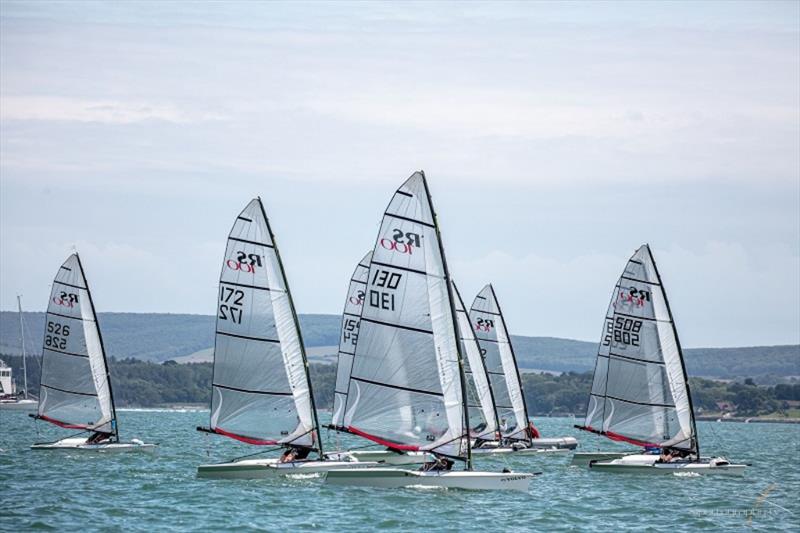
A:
[139,492]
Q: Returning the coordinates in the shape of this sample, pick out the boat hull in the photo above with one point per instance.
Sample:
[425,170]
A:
[647,464]
[21,405]
[584,458]
[398,478]
[72,444]
[478,452]
[386,457]
[271,468]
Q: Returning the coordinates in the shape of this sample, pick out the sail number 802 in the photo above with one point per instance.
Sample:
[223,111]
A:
[622,331]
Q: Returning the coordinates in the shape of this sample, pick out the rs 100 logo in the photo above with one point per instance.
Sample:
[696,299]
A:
[244,262]
[402,242]
[484,324]
[66,299]
[634,296]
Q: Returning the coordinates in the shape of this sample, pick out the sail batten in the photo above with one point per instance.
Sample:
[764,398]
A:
[490,330]
[639,390]
[260,390]
[404,389]
[76,391]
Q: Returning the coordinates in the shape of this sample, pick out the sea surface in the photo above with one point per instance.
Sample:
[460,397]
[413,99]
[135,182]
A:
[49,490]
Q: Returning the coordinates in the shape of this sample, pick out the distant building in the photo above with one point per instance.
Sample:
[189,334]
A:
[726,406]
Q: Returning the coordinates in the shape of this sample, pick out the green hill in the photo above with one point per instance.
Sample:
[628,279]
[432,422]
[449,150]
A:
[161,337]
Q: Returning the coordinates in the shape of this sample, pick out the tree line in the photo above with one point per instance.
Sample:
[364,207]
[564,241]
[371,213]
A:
[147,384]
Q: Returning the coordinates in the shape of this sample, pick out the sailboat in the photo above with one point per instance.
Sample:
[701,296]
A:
[10,399]
[351,321]
[640,391]
[261,393]
[406,388]
[75,386]
[517,433]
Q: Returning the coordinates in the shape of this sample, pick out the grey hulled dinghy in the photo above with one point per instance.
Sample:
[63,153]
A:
[517,433]
[406,389]
[261,394]
[75,385]
[640,391]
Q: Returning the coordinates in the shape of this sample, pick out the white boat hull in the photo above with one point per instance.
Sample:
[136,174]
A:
[79,444]
[271,468]
[397,478]
[565,443]
[584,458]
[647,464]
[477,452]
[21,405]
[386,457]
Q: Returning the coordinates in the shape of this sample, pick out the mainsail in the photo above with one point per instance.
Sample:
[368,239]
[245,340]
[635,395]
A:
[351,319]
[260,392]
[639,391]
[75,390]
[406,387]
[501,365]
[483,422]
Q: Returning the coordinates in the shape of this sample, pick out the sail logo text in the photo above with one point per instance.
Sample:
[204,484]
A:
[484,324]
[358,299]
[244,262]
[402,242]
[634,296]
[66,299]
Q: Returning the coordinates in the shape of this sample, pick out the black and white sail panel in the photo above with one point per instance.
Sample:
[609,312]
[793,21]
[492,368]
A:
[501,365]
[75,392]
[405,386]
[639,391]
[260,390]
[482,415]
[351,321]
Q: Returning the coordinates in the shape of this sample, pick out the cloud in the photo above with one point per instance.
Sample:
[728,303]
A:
[54,108]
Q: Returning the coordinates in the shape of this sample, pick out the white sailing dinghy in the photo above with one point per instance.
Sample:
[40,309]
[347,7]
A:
[351,320]
[517,433]
[406,388]
[75,384]
[640,391]
[261,393]
[10,398]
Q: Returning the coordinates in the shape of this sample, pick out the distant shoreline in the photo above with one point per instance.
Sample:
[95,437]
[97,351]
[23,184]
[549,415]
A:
[749,419]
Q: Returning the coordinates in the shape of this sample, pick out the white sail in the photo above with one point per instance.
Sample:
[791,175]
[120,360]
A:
[260,389]
[405,388]
[501,365]
[74,389]
[639,391]
[482,415]
[351,320]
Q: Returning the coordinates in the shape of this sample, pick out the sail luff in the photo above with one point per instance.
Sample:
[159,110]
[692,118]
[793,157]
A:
[694,440]
[516,365]
[454,318]
[299,332]
[102,350]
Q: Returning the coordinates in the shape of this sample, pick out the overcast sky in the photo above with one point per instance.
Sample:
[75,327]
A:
[556,139]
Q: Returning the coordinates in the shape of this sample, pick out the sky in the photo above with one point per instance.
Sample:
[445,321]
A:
[556,138]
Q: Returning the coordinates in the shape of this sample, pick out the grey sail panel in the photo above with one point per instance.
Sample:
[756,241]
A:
[348,337]
[639,391]
[480,401]
[75,392]
[260,390]
[405,386]
[501,365]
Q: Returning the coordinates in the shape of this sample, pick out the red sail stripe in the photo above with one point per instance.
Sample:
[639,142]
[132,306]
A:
[393,445]
[248,440]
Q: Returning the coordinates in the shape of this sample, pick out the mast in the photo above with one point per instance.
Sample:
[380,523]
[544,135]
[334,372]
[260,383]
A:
[102,349]
[299,332]
[22,341]
[448,282]
[695,441]
[516,366]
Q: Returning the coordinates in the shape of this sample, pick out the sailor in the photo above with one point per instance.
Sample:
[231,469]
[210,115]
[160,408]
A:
[97,437]
[532,431]
[294,454]
[666,455]
[439,464]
